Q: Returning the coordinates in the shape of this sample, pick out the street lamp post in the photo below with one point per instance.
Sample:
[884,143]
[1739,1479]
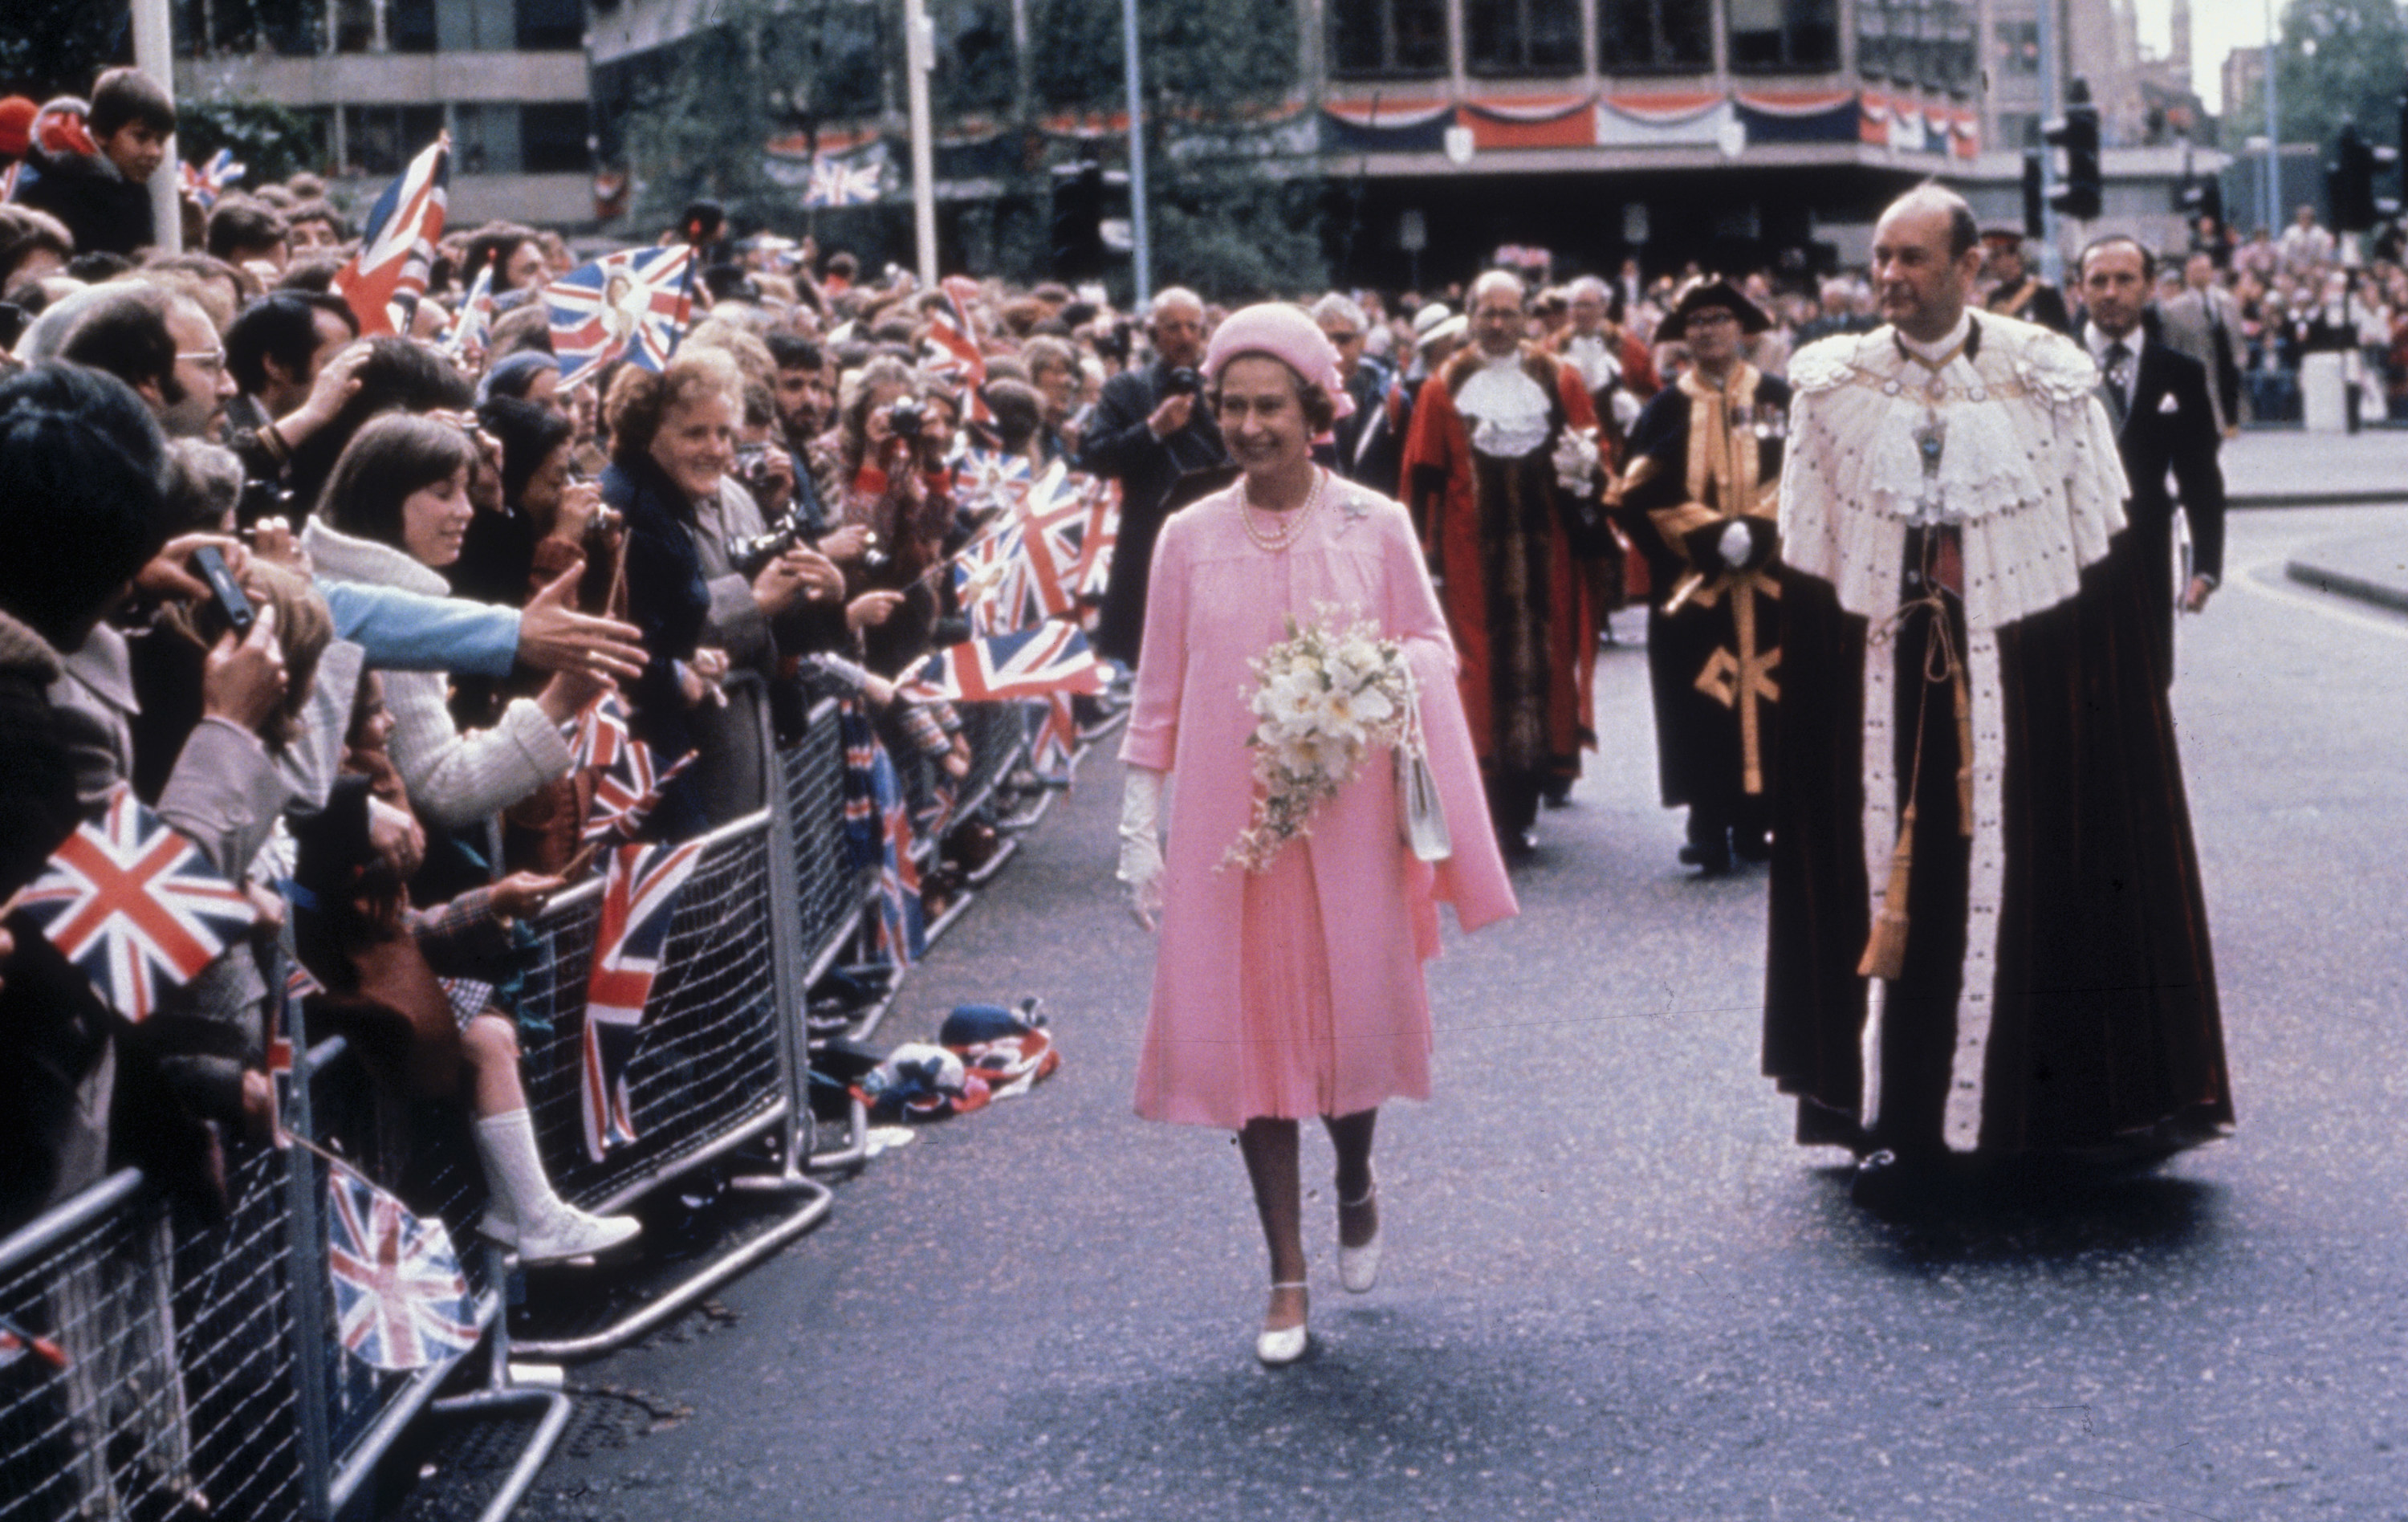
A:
[155,54]
[1141,250]
[919,53]
[2272,201]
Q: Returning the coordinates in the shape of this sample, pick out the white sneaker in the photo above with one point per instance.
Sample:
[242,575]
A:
[571,1232]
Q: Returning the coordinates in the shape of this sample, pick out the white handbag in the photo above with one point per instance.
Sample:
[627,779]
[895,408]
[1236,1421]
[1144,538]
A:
[1421,819]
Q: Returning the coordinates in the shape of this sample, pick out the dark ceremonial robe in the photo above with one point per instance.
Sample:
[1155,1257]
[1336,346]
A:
[1700,460]
[2057,989]
[1514,597]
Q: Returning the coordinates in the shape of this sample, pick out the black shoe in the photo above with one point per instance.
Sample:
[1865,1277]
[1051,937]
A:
[1518,844]
[1557,793]
[1711,859]
[1751,846]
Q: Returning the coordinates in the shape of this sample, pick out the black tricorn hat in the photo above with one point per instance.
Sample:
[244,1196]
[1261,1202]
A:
[1711,291]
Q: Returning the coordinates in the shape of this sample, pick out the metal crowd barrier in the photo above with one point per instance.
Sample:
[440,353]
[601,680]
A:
[198,1368]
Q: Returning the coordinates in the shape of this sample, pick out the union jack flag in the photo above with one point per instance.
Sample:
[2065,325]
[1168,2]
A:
[1052,753]
[631,781]
[837,181]
[1050,658]
[1053,519]
[16,1342]
[635,303]
[988,478]
[206,182]
[1101,536]
[476,319]
[990,584]
[135,906]
[400,1300]
[950,353]
[385,279]
[640,895]
[879,841]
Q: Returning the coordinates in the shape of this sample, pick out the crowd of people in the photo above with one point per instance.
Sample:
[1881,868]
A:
[332,604]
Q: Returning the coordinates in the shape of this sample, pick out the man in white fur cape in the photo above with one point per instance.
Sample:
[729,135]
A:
[1987,934]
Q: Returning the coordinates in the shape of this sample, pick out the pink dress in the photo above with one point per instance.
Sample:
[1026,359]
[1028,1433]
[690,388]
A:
[1297,991]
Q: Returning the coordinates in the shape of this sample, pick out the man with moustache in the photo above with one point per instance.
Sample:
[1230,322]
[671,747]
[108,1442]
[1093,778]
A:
[1987,935]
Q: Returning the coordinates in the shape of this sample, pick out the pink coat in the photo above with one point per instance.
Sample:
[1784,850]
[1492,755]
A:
[1297,991]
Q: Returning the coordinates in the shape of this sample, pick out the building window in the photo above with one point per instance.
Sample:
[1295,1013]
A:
[1387,36]
[1784,34]
[409,25]
[382,139]
[2019,48]
[1666,34]
[975,70]
[1523,37]
[552,139]
[551,25]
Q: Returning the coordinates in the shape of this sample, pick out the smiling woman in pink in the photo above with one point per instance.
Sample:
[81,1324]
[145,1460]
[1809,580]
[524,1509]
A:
[1295,990]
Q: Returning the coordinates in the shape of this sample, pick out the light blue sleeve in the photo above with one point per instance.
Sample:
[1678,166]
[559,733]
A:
[408,631]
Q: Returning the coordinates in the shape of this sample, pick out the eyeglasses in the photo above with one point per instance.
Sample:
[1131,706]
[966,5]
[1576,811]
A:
[207,359]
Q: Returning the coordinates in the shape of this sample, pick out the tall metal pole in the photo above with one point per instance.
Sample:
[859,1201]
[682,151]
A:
[919,57]
[2273,200]
[2052,258]
[1141,247]
[155,54]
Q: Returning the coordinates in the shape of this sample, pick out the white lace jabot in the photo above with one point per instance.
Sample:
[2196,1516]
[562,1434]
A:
[1507,409]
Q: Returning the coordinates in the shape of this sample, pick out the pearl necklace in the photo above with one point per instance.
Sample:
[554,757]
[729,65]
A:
[1292,528]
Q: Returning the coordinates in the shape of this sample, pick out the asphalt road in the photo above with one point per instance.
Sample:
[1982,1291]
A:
[1613,1287]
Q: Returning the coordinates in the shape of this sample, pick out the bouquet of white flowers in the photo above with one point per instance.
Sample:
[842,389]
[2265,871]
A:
[1322,697]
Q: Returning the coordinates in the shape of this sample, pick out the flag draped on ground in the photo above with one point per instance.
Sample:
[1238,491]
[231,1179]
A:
[400,1300]
[385,279]
[639,898]
[1050,658]
[635,303]
[878,839]
[135,906]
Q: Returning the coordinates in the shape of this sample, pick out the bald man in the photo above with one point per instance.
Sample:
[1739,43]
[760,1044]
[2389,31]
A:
[1987,935]
[1152,433]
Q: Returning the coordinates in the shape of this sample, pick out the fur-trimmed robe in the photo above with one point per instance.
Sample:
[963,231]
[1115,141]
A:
[1515,599]
[2058,990]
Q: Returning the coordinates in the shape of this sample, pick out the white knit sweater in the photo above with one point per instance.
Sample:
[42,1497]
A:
[453,779]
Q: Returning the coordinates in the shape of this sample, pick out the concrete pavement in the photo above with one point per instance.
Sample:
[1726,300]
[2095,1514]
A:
[1615,1287]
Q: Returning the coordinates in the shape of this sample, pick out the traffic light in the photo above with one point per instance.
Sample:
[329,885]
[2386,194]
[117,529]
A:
[2078,135]
[2200,203]
[2035,225]
[2349,181]
[1078,241]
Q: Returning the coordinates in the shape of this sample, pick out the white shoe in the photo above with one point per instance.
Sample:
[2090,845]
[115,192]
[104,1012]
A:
[1358,1268]
[526,1214]
[571,1232]
[1284,1346]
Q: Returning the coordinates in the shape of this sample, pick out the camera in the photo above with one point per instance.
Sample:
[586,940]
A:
[749,554]
[1183,382]
[904,415]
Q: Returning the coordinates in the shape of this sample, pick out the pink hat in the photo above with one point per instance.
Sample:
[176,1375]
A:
[1285,333]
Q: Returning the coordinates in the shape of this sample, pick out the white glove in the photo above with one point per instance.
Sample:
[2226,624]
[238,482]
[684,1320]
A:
[1575,461]
[1141,845]
[1735,545]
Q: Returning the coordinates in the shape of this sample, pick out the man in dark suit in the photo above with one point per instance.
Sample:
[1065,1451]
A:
[1151,428]
[2165,425]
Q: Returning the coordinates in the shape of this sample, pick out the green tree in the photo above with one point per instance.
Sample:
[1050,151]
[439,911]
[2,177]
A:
[2337,59]
[271,142]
